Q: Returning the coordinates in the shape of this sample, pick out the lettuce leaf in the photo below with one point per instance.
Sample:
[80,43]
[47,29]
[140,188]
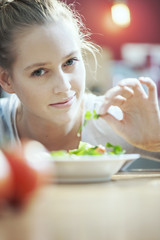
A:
[88,149]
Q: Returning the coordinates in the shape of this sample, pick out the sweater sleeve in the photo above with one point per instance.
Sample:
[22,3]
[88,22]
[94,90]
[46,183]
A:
[8,130]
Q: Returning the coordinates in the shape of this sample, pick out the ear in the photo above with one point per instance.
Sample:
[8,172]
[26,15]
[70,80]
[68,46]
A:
[5,81]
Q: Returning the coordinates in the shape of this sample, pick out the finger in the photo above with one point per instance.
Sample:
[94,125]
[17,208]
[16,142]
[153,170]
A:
[130,82]
[113,121]
[124,91]
[118,101]
[133,84]
[116,96]
[152,89]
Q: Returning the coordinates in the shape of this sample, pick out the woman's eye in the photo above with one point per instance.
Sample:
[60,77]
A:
[38,72]
[70,61]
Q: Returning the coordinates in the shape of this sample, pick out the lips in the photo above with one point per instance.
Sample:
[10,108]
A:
[64,103]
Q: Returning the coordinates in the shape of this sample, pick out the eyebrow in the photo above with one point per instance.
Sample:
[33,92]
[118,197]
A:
[41,64]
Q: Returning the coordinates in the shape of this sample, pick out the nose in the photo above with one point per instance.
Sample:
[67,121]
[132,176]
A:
[62,82]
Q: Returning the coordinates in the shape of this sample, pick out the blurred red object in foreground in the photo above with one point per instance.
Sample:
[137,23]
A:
[29,167]
[6,179]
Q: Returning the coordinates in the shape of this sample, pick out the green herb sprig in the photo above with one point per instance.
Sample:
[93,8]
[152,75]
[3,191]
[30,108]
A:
[88,115]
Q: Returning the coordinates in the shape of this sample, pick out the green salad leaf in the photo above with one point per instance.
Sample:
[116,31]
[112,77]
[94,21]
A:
[88,115]
[85,149]
[116,149]
[59,153]
[95,115]
[88,149]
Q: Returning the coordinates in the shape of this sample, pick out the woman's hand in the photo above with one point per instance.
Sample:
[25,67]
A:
[140,125]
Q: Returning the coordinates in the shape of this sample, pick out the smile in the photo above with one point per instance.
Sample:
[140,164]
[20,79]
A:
[66,103]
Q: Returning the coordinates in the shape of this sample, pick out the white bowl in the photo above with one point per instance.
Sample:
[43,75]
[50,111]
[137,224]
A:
[89,168]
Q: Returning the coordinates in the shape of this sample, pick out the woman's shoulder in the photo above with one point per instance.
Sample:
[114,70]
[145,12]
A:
[7,104]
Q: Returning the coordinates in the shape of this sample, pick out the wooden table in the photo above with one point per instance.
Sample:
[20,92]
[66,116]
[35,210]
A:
[125,208]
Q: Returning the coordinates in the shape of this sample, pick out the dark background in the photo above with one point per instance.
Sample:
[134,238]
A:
[144,27]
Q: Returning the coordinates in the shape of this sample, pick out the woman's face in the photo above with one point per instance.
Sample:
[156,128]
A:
[48,75]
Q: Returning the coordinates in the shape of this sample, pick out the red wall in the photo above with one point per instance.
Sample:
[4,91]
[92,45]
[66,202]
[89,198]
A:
[144,27]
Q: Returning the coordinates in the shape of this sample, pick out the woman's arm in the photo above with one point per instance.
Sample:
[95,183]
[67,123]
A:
[140,125]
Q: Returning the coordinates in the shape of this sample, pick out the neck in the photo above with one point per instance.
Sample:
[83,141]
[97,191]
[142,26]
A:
[51,135]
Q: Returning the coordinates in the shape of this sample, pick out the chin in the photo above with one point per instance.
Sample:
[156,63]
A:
[67,117]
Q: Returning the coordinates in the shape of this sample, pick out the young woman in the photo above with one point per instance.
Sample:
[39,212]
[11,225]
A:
[42,46]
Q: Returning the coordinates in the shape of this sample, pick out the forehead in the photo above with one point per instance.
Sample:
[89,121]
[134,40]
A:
[40,42]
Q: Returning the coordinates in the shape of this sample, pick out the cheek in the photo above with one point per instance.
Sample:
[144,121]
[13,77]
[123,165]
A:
[81,77]
[27,93]
[24,87]
[23,91]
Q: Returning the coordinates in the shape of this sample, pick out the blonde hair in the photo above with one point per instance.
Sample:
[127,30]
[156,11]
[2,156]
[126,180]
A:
[18,15]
